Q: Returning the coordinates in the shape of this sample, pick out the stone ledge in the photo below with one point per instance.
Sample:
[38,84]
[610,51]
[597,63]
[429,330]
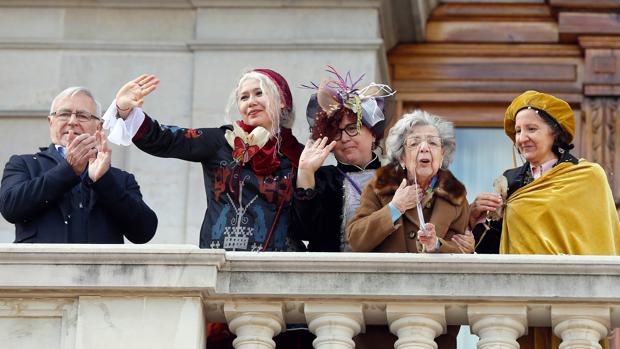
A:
[56,44]
[269,45]
[101,269]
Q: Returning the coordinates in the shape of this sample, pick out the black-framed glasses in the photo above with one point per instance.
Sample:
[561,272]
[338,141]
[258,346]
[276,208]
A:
[351,130]
[414,142]
[64,115]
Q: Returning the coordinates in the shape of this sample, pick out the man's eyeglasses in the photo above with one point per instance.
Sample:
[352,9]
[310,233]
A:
[64,115]
[351,130]
[415,142]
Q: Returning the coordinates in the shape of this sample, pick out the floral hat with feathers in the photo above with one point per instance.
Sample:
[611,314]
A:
[343,94]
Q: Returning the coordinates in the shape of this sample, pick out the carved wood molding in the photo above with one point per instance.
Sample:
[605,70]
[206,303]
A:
[601,65]
[476,57]
[600,136]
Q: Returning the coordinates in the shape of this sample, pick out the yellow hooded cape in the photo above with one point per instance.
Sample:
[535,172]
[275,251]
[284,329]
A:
[568,210]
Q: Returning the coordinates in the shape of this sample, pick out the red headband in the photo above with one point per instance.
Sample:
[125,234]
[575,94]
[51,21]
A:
[282,85]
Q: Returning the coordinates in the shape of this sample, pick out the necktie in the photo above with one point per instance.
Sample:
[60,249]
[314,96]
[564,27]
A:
[61,150]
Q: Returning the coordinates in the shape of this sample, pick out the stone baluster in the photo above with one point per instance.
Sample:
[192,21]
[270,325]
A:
[498,326]
[334,324]
[416,325]
[580,327]
[254,323]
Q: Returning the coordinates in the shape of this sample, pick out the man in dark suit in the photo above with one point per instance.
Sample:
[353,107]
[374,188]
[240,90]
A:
[68,192]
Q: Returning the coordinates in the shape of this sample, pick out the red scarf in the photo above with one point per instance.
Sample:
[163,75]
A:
[265,161]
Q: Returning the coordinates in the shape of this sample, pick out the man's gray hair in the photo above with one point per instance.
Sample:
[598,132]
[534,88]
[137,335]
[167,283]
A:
[73,91]
[395,142]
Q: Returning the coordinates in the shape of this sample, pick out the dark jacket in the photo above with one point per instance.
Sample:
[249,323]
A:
[318,213]
[42,196]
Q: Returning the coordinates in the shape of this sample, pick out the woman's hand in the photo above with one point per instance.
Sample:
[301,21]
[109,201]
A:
[428,237]
[406,196]
[484,202]
[132,94]
[311,159]
[465,242]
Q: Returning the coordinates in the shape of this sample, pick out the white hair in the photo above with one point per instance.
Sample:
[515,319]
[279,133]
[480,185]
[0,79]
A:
[73,91]
[395,141]
[277,115]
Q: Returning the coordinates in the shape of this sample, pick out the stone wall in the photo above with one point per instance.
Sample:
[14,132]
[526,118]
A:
[197,48]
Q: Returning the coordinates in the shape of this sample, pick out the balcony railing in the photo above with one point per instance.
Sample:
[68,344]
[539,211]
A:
[161,296]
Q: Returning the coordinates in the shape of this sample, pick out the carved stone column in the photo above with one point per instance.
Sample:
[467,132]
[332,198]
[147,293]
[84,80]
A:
[498,326]
[416,324]
[580,326]
[334,324]
[255,324]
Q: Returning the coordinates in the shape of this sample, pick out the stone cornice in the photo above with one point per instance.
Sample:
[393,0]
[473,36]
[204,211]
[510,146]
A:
[287,3]
[29,114]
[56,44]
[195,45]
[99,3]
[58,254]
[195,3]
[318,44]
[422,263]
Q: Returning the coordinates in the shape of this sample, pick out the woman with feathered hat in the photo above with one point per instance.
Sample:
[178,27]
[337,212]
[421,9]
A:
[347,120]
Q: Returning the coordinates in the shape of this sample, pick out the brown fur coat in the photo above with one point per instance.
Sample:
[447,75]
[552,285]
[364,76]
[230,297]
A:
[371,229]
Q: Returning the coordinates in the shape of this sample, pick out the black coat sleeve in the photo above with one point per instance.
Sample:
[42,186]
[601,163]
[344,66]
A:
[23,196]
[487,240]
[176,142]
[317,213]
[119,195]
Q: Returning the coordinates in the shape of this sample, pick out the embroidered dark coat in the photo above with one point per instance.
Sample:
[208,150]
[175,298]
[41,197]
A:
[318,213]
[241,205]
[372,229]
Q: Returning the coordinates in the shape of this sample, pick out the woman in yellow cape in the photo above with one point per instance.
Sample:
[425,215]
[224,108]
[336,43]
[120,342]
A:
[554,204]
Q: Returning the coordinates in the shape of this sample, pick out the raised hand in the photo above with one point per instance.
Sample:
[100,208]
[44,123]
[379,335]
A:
[315,153]
[311,159]
[98,166]
[80,150]
[406,196]
[482,203]
[132,94]
[428,237]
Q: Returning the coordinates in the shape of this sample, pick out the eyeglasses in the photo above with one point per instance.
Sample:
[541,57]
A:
[64,115]
[434,142]
[351,130]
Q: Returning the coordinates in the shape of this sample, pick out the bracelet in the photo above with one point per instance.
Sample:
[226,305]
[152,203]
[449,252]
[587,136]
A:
[119,108]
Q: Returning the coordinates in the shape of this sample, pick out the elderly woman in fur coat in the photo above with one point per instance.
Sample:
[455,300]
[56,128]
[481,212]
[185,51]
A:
[420,147]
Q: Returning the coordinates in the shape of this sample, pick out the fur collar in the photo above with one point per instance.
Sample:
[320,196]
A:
[388,179]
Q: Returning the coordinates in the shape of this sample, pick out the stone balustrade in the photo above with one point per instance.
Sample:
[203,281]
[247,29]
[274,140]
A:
[161,296]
